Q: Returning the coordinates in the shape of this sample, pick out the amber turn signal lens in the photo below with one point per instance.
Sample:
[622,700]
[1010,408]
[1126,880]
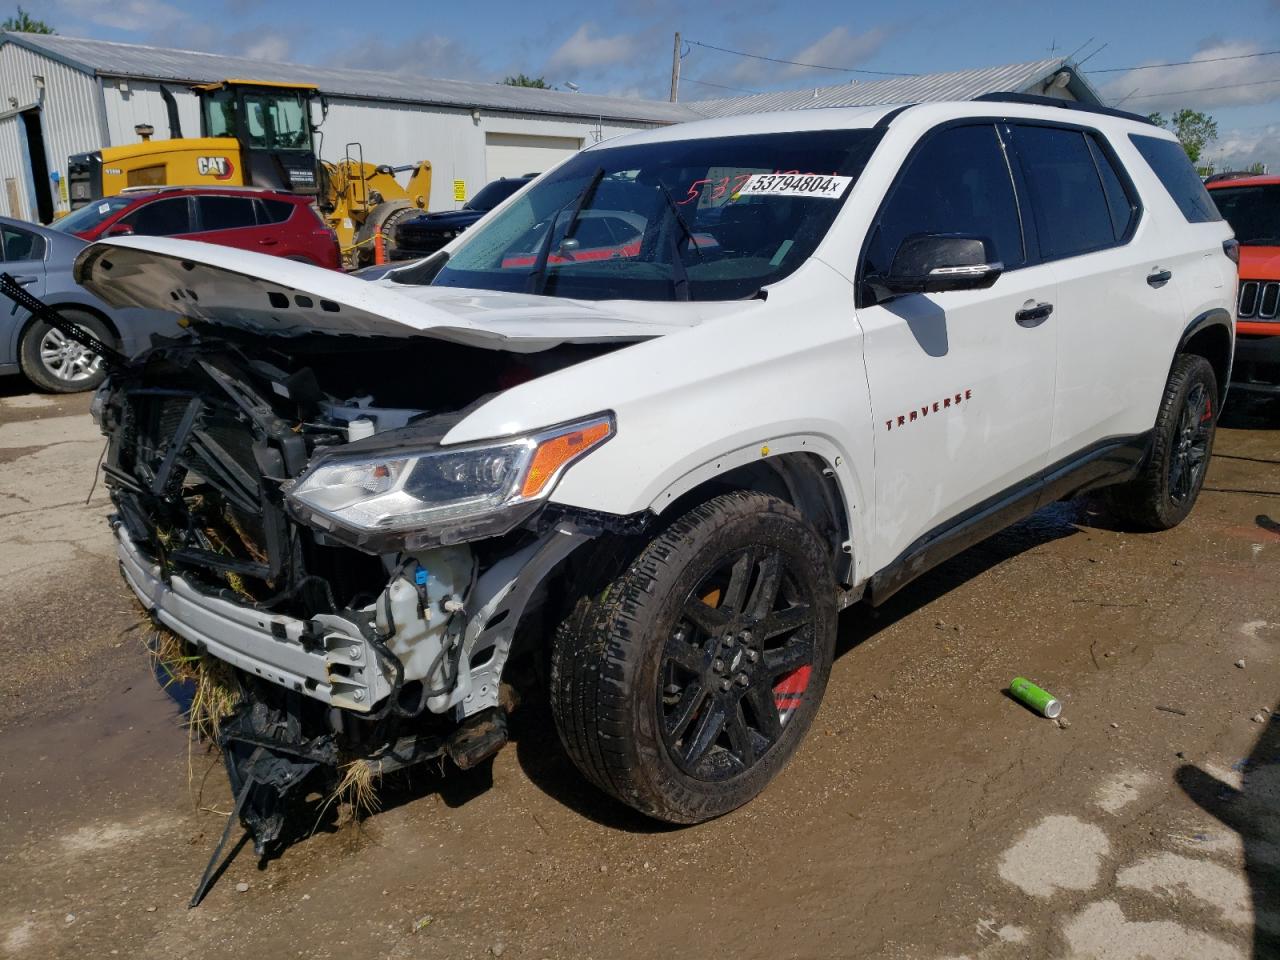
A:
[558,451]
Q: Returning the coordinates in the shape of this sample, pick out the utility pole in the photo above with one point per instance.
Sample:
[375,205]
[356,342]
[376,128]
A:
[675,70]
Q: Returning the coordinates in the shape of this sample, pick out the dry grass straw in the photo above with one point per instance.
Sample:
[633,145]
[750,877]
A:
[356,793]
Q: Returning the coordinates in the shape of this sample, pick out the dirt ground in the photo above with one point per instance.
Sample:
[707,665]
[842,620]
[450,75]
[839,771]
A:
[928,816]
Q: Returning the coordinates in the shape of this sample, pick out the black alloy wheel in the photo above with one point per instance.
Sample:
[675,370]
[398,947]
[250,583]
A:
[682,686]
[737,665]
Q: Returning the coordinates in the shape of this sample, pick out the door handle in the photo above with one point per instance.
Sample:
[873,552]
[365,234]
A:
[267,243]
[24,280]
[1033,314]
[1158,278]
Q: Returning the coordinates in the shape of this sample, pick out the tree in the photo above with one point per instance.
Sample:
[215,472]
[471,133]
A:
[23,22]
[1194,130]
[520,80]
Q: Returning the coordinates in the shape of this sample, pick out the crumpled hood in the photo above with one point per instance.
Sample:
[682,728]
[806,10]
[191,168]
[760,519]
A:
[264,294]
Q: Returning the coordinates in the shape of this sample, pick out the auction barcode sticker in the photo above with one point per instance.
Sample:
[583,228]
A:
[795,185]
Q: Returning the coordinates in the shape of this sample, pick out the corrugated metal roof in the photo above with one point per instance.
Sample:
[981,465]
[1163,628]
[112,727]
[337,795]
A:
[957,85]
[111,59]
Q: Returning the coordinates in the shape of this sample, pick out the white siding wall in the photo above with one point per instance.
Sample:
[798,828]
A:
[142,103]
[454,143]
[69,110]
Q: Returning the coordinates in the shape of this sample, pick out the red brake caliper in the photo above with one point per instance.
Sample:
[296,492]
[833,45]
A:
[789,691]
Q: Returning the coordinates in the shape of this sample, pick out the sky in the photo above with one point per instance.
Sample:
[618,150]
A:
[625,48]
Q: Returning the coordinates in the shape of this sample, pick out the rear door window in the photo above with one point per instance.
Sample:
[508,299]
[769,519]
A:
[958,181]
[21,245]
[1071,210]
[161,218]
[1172,166]
[226,213]
[1121,199]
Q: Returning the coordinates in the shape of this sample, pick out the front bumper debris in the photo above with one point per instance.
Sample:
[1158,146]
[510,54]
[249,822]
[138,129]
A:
[326,658]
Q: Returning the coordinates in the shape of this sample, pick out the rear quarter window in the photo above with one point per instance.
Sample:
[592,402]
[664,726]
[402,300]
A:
[1172,166]
[274,211]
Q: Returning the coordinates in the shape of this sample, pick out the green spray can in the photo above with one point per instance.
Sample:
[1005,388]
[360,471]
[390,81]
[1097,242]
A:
[1041,701]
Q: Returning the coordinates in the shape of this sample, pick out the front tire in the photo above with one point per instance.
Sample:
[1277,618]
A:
[55,362]
[1162,495]
[686,685]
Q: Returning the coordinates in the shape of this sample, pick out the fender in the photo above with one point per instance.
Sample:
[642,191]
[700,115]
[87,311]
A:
[1217,317]
[853,499]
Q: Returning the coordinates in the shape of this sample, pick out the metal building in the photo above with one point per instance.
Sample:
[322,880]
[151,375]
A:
[61,96]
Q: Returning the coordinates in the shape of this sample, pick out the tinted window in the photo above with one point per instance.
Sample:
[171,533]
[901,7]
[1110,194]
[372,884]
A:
[163,218]
[225,213]
[1119,202]
[1253,212]
[22,245]
[88,217]
[274,211]
[1173,167]
[957,182]
[712,218]
[494,193]
[1070,209]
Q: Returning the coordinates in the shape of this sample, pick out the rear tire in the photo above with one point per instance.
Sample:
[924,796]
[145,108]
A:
[686,685]
[1162,495]
[55,363]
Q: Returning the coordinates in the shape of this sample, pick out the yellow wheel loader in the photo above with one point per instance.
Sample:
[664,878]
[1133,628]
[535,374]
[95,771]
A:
[259,133]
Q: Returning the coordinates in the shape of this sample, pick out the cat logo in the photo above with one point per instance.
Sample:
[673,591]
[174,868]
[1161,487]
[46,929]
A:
[220,168]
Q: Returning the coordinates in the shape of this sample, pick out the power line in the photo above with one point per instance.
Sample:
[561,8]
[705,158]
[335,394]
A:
[1226,86]
[722,86]
[1187,63]
[797,63]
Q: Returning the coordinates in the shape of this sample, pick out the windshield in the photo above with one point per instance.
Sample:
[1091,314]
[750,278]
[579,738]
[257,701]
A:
[709,219]
[86,218]
[1253,212]
[493,194]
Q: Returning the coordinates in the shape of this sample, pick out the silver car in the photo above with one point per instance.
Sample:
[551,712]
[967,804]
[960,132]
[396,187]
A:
[41,259]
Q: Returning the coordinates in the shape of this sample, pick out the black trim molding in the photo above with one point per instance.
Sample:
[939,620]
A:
[1110,461]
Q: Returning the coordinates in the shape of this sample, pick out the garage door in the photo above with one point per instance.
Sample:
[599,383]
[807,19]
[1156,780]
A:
[515,154]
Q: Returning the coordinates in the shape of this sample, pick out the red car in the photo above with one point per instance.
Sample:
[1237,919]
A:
[266,221]
[1252,206]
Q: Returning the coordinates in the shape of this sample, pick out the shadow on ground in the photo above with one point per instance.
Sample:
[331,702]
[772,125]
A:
[1253,811]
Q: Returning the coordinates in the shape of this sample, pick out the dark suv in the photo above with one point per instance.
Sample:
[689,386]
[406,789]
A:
[265,221]
[426,234]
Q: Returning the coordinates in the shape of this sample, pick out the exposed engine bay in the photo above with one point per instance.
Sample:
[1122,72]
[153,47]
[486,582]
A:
[386,646]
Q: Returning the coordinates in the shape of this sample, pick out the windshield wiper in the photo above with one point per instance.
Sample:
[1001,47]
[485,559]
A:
[679,275]
[537,280]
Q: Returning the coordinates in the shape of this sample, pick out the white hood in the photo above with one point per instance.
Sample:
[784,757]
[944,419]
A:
[272,295]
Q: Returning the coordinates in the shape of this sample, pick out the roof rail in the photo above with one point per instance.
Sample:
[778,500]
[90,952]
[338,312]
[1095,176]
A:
[1038,101]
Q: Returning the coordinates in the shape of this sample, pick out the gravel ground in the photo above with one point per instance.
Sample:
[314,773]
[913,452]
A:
[927,816]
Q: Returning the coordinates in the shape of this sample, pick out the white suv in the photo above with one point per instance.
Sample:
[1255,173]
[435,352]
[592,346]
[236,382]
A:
[653,423]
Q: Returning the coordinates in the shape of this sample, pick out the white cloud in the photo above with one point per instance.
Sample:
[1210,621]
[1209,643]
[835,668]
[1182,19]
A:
[1238,149]
[1233,82]
[423,55]
[130,15]
[839,47]
[268,47]
[588,50]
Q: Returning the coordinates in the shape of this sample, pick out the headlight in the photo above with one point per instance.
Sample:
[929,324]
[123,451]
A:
[447,493]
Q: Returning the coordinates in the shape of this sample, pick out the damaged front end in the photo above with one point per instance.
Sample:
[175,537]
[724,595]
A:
[286,506]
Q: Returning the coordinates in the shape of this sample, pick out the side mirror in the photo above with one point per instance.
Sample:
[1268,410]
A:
[937,262]
[119,230]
